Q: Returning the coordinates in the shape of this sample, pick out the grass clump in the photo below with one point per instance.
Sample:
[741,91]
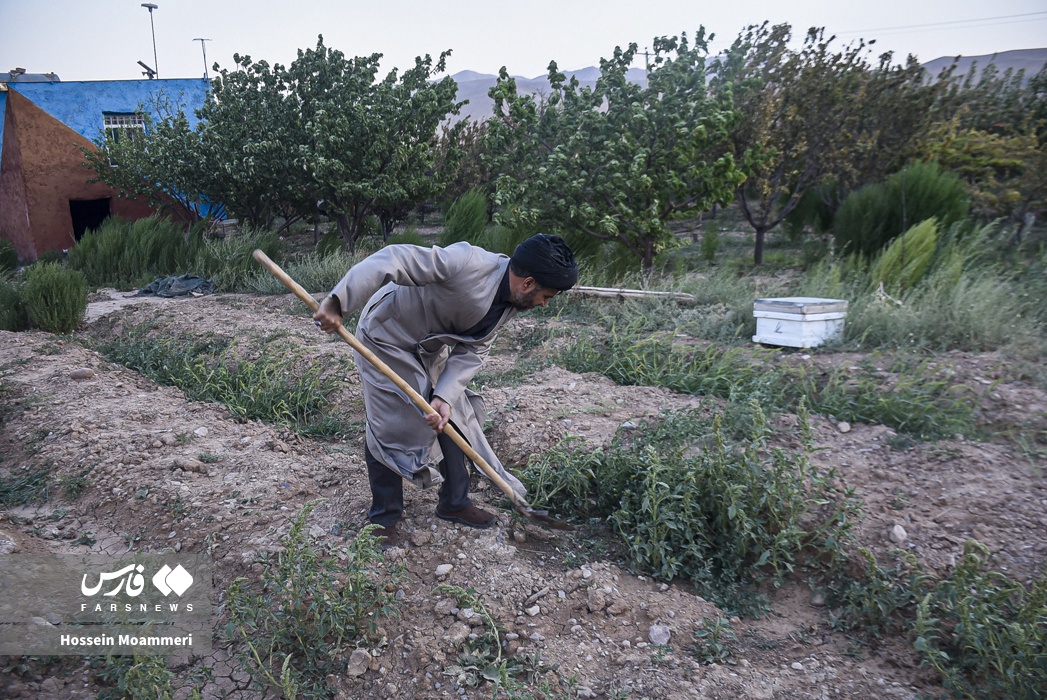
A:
[918,399]
[25,486]
[297,625]
[55,297]
[269,387]
[127,254]
[315,272]
[709,502]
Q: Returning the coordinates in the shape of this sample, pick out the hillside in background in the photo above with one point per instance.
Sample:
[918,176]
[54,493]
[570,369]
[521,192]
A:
[473,86]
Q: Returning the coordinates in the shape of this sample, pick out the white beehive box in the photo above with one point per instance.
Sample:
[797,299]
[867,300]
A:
[799,322]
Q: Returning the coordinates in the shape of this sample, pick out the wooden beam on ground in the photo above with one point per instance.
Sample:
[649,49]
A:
[623,294]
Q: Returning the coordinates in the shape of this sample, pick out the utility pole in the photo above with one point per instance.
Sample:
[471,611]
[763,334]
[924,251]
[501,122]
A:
[150,6]
[203,47]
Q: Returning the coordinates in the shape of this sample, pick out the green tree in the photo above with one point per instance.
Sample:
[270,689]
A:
[249,135]
[815,118]
[368,145]
[160,163]
[1004,175]
[462,158]
[617,161]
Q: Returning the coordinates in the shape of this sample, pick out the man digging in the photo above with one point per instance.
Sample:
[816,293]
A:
[431,315]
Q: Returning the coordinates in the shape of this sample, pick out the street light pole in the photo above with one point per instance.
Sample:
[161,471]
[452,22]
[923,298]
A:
[150,6]
[203,47]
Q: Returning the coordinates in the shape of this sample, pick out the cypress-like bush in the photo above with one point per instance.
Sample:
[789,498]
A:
[873,216]
[13,315]
[127,254]
[905,261]
[466,219]
[8,257]
[55,297]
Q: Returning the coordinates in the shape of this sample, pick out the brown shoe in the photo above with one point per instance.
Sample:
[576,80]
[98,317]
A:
[470,515]
[388,537]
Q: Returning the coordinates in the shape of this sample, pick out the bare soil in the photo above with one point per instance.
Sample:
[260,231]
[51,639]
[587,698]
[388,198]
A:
[566,597]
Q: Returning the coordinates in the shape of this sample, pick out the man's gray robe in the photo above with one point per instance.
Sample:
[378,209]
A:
[417,304]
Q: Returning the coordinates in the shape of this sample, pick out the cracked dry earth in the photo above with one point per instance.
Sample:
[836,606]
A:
[567,603]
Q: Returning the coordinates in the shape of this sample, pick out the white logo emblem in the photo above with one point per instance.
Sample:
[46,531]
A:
[175,580]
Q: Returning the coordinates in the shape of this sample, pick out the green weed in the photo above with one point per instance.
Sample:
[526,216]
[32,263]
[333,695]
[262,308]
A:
[295,627]
[711,641]
[707,502]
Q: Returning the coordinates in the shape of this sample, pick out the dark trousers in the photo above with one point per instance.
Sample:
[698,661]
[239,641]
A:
[387,486]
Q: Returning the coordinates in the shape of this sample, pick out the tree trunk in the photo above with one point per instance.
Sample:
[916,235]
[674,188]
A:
[758,248]
[346,232]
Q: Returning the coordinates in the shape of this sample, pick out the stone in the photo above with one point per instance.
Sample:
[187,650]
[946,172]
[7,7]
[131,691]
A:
[7,543]
[533,610]
[200,432]
[444,569]
[457,633]
[659,634]
[818,600]
[420,538]
[596,601]
[359,660]
[898,534]
[843,426]
[796,666]
[82,373]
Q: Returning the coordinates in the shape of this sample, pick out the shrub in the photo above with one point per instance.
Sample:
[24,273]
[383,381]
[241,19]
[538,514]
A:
[13,314]
[874,215]
[55,297]
[812,211]
[8,257]
[408,236]
[127,254]
[315,272]
[330,243]
[466,219]
[707,502]
[228,262]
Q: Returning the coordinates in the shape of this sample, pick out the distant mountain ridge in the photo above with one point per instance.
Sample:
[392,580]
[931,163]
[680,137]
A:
[473,86]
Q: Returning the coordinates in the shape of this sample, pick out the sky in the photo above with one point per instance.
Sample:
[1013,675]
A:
[105,39]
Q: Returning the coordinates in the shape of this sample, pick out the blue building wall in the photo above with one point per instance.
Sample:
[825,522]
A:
[81,104]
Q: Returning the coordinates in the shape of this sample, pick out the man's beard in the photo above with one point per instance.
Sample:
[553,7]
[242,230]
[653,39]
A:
[525,302]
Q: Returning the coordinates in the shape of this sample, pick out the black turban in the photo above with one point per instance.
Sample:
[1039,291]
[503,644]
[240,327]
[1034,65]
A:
[549,260]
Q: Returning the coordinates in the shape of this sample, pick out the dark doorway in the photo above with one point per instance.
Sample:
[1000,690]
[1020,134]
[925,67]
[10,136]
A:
[87,213]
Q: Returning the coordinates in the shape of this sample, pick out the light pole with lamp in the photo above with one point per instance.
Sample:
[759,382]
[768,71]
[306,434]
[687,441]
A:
[150,6]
